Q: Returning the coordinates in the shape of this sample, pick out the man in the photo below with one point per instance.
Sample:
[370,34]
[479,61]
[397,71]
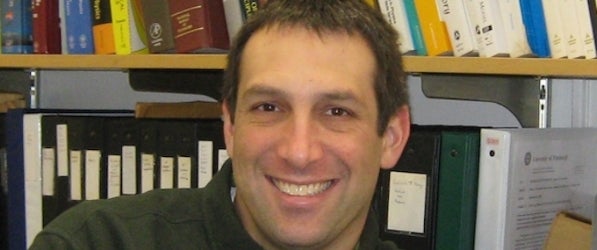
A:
[314,105]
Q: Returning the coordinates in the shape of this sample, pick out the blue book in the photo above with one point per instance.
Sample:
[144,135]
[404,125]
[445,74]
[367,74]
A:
[22,183]
[78,22]
[533,18]
[415,27]
[17,27]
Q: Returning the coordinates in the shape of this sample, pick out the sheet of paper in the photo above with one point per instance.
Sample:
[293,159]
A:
[406,202]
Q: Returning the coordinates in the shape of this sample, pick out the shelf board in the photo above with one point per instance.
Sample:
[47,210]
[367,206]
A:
[114,62]
[540,67]
[566,68]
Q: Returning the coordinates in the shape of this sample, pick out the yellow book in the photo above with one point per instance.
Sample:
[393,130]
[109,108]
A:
[433,28]
[372,3]
[127,39]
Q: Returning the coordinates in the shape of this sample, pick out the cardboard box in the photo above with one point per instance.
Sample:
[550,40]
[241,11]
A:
[569,231]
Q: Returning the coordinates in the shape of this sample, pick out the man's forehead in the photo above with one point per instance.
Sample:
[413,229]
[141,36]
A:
[293,29]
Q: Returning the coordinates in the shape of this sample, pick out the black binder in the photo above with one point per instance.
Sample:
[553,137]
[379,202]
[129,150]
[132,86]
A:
[407,202]
[50,199]
[147,150]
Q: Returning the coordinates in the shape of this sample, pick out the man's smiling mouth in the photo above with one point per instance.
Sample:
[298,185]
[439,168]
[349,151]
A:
[301,190]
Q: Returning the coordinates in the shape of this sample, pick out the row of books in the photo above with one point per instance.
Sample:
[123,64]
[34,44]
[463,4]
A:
[462,187]
[120,26]
[58,158]
[495,28]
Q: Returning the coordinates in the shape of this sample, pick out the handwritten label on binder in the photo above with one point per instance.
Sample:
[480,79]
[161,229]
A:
[406,202]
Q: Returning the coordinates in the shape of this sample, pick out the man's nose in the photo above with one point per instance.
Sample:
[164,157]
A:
[301,145]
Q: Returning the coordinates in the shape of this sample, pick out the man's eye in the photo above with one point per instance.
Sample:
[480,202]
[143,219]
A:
[267,107]
[337,112]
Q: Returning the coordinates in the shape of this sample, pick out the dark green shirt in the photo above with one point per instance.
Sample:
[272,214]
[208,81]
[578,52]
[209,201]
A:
[164,219]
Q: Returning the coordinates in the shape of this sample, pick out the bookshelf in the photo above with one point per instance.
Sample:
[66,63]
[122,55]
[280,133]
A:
[537,67]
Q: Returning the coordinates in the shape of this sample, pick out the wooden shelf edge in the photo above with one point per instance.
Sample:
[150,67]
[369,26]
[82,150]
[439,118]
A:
[540,67]
[114,62]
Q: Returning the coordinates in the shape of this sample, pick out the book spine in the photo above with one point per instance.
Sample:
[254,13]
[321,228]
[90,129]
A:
[493,189]
[158,27]
[248,8]
[555,31]
[79,27]
[586,36]
[103,34]
[457,21]
[514,30]
[138,37]
[15,180]
[217,31]
[33,182]
[371,3]
[198,25]
[234,16]
[415,27]
[433,29]
[46,27]
[488,23]
[17,27]
[121,23]
[395,13]
[533,17]
[571,27]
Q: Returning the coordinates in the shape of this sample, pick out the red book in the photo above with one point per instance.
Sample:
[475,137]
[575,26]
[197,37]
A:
[46,27]
[198,26]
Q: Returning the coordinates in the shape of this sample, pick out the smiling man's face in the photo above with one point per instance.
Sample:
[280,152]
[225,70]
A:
[304,143]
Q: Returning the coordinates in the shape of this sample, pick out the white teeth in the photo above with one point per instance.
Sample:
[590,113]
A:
[302,190]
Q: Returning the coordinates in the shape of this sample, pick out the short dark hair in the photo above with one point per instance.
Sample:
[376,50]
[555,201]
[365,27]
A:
[345,16]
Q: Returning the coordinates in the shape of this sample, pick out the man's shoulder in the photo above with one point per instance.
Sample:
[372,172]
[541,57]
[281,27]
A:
[159,204]
[386,245]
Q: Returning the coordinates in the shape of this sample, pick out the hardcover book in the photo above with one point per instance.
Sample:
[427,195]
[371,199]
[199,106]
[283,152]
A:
[127,39]
[79,27]
[199,26]
[158,27]
[103,30]
[17,26]
[46,27]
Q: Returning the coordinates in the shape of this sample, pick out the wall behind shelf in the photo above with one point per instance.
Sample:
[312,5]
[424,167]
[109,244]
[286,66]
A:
[97,90]
[574,101]
[110,90]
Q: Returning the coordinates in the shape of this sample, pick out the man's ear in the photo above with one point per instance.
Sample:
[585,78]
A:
[228,128]
[395,137]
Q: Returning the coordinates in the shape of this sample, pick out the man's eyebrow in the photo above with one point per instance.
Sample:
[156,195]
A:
[261,90]
[339,96]
[269,91]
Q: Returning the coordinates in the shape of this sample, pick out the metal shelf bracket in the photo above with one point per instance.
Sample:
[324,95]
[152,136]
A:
[526,97]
